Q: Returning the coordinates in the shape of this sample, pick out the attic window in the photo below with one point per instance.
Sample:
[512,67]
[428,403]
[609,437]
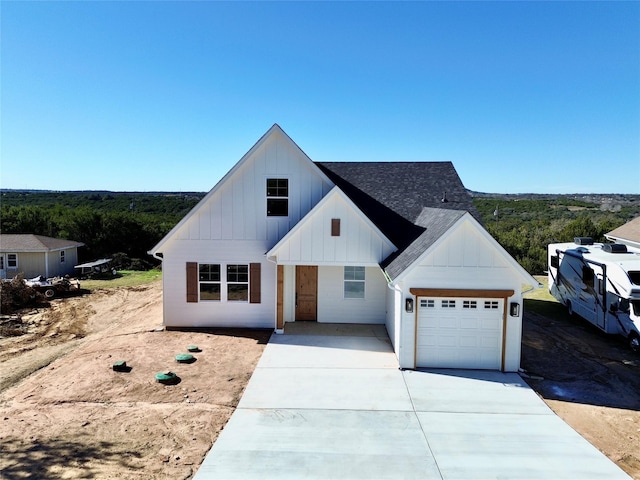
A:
[277,197]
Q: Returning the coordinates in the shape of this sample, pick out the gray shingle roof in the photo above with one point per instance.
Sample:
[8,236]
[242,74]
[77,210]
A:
[412,203]
[436,221]
[15,243]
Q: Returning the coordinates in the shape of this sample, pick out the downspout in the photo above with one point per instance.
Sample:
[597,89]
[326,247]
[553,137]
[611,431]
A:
[46,264]
[160,256]
[397,289]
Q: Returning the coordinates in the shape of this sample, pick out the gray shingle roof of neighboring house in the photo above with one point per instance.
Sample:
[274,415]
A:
[15,243]
[627,233]
[412,203]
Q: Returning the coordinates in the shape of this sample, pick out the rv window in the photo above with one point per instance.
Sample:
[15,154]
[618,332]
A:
[554,261]
[635,277]
[587,276]
[623,305]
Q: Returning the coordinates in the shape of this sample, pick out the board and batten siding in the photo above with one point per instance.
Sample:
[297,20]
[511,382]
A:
[334,233]
[180,313]
[237,209]
[464,259]
[231,226]
[334,308]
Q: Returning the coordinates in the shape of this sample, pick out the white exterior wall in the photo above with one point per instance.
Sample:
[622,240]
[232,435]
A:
[393,320]
[463,260]
[179,313]
[334,308]
[312,244]
[237,209]
[230,225]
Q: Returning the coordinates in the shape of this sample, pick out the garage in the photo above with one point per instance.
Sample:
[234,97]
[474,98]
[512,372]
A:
[460,332]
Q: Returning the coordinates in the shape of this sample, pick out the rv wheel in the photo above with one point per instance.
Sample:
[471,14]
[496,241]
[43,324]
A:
[634,342]
[569,308]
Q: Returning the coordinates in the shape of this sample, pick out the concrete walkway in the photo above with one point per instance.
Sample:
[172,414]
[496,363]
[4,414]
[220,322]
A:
[332,403]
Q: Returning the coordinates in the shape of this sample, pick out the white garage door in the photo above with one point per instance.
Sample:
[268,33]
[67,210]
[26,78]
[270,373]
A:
[459,333]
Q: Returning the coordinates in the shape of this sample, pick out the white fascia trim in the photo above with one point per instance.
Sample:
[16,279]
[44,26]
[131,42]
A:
[333,192]
[527,278]
[274,129]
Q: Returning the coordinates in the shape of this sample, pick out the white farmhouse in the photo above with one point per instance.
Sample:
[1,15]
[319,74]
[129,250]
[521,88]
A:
[284,239]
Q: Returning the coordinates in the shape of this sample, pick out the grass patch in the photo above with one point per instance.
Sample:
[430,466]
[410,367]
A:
[540,301]
[124,278]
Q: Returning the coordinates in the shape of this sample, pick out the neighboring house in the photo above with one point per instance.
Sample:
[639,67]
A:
[34,255]
[629,233]
[283,239]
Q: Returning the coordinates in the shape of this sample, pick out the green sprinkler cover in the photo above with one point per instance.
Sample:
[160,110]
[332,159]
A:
[166,377]
[185,358]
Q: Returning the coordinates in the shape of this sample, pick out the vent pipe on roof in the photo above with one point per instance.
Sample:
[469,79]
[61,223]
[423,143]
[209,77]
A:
[444,198]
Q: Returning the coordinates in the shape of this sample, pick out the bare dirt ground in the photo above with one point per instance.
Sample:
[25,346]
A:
[591,380]
[64,413]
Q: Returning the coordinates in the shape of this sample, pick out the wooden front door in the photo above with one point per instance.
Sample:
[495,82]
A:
[306,293]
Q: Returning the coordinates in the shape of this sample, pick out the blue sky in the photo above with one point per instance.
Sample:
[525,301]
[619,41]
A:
[539,97]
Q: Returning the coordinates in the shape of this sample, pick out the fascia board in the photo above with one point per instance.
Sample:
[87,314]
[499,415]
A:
[335,191]
[527,279]
[274,128]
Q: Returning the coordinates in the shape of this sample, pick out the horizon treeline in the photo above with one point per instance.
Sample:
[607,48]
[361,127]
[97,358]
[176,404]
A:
[525,226]
[127,225]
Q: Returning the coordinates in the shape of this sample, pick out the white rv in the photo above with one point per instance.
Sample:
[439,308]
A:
[600,282]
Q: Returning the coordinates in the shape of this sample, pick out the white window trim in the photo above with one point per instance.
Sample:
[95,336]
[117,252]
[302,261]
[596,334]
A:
[62,256]
[209,282]
[15,257]
[247,283]
[287,198]
[344,283]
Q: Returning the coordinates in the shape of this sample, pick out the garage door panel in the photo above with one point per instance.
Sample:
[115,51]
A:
[468,341]
[469,323]
[446,341]
[459,333]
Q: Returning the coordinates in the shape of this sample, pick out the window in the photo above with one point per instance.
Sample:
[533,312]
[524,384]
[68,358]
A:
[353,282]
[237,283]
[424,303]
[277,197]
[1,262]
[587,276]
[448,304]
[12,260]
[62,256]
[209,278]
[491,304]
[469,304]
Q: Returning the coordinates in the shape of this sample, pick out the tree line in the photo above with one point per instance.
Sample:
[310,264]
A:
[525,226]
[123,225]
[128,225]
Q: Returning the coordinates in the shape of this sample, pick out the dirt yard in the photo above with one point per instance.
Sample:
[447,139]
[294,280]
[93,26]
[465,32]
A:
[65,413]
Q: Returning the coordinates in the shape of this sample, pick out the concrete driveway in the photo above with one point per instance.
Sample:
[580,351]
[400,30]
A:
[328,401]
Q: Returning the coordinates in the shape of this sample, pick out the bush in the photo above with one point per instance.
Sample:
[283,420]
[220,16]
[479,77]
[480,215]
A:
[16,294]
[122,261]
